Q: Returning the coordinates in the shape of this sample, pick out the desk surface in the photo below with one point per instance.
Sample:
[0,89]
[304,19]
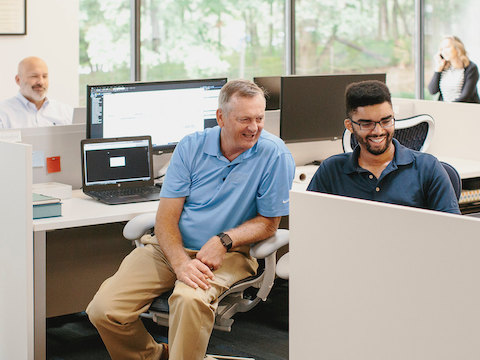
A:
[466,168]
[81,210]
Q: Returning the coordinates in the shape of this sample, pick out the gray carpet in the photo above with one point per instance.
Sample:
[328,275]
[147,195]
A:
[262,333]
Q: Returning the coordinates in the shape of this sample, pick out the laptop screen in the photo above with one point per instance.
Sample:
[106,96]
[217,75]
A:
[116,161]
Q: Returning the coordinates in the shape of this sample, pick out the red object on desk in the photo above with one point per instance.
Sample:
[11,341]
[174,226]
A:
[53,164]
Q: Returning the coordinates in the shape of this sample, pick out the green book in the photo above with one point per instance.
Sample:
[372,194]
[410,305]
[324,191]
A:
[46,206]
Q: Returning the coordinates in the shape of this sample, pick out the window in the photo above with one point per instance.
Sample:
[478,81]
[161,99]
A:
[104,43]
[351,36]
[450,17]
[191,39]
[199,39]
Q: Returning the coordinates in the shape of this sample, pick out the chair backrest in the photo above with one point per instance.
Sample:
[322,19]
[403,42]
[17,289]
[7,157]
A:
[454,178]
[415,133]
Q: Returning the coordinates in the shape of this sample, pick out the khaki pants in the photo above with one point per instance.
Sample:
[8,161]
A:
[145,274]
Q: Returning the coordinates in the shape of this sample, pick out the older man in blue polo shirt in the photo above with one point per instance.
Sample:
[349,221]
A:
[380,168]
[225,188]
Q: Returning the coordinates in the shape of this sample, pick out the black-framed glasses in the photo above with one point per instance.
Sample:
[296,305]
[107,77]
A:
[370,125]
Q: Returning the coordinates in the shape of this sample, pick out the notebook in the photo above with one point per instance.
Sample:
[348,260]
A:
[118,170]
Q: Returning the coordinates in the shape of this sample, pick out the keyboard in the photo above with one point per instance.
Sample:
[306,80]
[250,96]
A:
[146,190]
[126,195]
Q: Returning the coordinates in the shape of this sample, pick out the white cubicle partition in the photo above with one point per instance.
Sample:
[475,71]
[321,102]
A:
[56,141]
[16,252]
[456,125]
[374,281]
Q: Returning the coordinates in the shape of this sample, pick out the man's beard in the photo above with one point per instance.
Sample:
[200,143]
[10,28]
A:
[36,95]
[364,141]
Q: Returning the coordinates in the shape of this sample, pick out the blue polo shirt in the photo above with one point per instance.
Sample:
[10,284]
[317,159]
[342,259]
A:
[412,179]
[222,194]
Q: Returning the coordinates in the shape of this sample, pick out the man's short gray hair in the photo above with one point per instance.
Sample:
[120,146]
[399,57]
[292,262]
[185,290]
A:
[240,87]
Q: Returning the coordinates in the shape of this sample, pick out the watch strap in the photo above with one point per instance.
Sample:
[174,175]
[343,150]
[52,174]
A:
[226,240]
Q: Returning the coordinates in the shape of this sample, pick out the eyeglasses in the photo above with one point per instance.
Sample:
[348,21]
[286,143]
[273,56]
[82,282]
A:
[370,125]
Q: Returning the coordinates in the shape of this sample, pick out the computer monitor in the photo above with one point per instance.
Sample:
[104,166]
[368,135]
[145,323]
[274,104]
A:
[313,107]
[167,110]
[272,85]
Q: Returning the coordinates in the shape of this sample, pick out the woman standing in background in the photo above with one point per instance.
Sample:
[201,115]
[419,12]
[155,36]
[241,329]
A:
[455,75]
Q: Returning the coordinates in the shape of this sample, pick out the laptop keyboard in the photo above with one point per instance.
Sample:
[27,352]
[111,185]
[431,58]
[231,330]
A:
[115,193]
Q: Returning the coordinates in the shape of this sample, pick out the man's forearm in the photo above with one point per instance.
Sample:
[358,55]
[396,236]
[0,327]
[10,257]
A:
[254,230]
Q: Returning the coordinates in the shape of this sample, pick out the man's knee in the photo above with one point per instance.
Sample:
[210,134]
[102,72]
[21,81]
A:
[99,310]
[186,297]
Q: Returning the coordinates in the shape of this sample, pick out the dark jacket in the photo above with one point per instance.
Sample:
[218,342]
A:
[469,89]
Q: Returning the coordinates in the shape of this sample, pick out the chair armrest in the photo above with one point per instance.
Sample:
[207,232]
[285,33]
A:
[266,247]
[282,268]
[136,227]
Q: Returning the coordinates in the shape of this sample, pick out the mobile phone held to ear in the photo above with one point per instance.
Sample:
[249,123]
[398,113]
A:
[441,57]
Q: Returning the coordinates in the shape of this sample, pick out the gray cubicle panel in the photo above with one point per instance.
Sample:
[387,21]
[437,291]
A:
[56,141]
[272,122]
[79,115]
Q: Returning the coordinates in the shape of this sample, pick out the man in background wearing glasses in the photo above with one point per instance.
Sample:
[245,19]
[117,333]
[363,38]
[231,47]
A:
[380,168]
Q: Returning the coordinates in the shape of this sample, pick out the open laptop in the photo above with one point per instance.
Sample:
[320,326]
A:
[118,170]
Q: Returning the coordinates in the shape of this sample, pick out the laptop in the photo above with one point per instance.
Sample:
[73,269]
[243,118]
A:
[118,170]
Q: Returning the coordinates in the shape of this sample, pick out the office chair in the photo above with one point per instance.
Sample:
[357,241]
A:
[454,178]
[283,269]
[415,133]
[241,297]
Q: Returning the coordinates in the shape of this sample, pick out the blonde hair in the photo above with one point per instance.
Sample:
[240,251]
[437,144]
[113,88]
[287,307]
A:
[458,44]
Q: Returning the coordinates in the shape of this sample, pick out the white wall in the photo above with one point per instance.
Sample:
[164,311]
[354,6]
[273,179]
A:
[52,34]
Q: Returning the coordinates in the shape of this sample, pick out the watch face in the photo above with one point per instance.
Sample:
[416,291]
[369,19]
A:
[226,240]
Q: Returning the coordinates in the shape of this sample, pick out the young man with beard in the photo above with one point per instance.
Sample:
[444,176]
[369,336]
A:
[380,168]
[31,107]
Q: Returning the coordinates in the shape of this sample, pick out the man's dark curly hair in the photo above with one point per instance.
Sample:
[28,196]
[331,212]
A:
[365,93]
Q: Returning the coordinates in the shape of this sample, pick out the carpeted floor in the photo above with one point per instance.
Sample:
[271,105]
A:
[262,333]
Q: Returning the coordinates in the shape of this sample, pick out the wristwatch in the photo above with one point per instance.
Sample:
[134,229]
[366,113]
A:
[226,240]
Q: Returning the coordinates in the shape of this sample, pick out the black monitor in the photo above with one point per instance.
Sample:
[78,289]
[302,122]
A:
[271,85]
[313,107]
[167,110]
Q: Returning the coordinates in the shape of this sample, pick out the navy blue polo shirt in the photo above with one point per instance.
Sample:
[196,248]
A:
[412,178]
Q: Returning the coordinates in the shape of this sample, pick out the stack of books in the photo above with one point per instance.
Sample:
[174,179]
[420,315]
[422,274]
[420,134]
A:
[46,206]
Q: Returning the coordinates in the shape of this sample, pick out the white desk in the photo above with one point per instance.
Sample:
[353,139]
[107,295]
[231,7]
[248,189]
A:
[81,210]
[466,168]
[78,212]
